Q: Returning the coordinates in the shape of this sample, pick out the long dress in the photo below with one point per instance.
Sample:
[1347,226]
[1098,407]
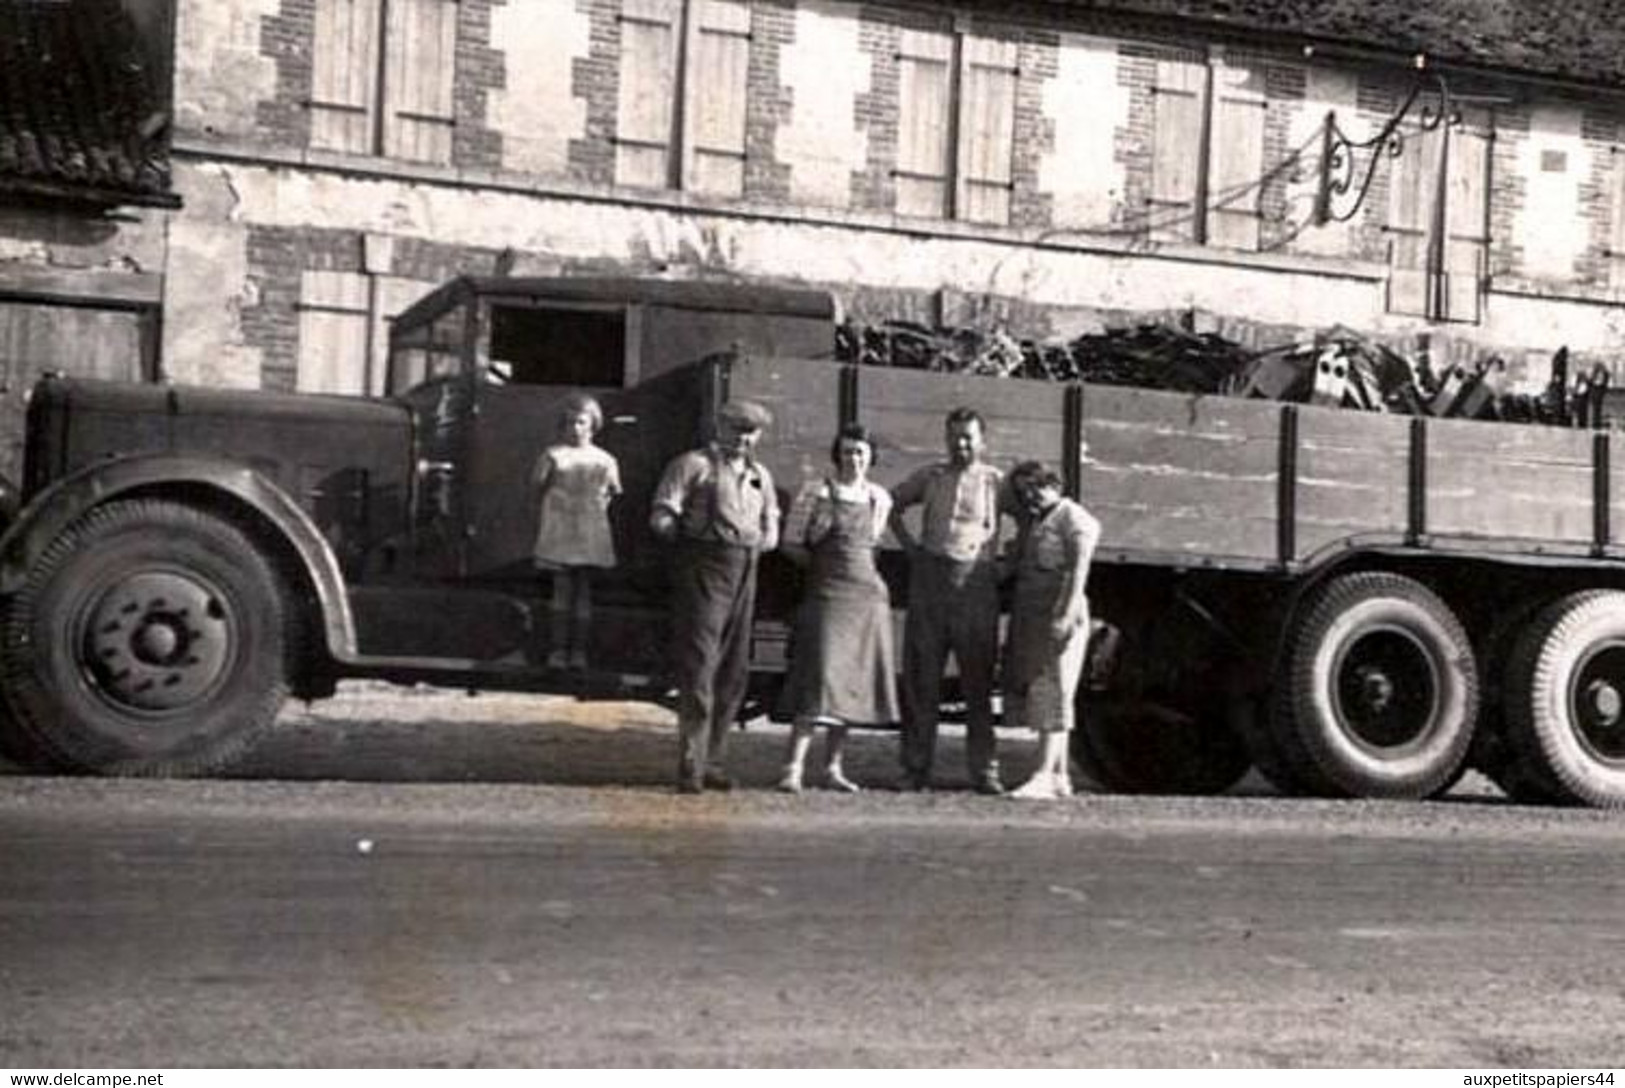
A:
[843,664]
[576,483]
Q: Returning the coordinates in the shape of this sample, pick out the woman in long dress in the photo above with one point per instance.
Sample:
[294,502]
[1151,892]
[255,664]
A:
[843,665]
[1049,622]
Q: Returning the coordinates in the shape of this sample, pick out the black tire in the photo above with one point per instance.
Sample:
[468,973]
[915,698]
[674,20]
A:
[1380,691]
[1492,753]
[1565,702]
[1150,748]
[149,639]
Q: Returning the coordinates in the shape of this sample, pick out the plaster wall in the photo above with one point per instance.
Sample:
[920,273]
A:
[220,76]
[1554,161]
[821,142]
[536,111]
[208,285]
[1086,103]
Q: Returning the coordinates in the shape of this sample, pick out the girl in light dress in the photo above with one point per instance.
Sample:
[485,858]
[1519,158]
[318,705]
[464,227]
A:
[575,481]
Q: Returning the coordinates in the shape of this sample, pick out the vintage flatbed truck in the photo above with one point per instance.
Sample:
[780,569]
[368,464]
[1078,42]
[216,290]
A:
[1360,604]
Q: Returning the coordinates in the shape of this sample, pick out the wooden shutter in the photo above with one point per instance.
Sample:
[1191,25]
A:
[646,119]
[1180,101]
[420,66]
[924,115]
[333,317]
[344,75]
[987,121]
[1467,217]
[714,121]
[1615,253]
[1412,196]
[1236,156]
[81,341]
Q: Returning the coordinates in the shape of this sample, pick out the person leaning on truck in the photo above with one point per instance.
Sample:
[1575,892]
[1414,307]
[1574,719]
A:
[720,508]
[953,600]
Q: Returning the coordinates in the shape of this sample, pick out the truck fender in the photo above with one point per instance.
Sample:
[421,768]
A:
[50,513]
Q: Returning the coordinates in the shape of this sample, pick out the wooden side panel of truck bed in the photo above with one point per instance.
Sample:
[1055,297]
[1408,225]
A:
[1202,480]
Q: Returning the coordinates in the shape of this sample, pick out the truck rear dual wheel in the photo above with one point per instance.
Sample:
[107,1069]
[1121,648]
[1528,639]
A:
[1380,690]
[1564,702]
[149,639]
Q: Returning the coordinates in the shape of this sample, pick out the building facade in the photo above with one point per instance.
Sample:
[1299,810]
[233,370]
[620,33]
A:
[1046,165]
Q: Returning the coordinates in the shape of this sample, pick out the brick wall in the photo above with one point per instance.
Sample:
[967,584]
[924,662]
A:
[285,37]
[595,80]
[1037,62]
[874,188]
[768,101]
[1285,87]
[480,69]
[1508,190]
[1602,131]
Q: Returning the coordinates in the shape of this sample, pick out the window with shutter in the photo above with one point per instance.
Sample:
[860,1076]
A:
[646,135]
[334,312]
[1412,196]
[1438,255]
[1180,98]
[1235,192]
[344,74]
[987,123]
[925,61]
[420,63]
[719,52]
[1467,220]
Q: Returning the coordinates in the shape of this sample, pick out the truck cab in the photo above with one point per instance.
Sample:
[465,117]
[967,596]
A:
[187,557]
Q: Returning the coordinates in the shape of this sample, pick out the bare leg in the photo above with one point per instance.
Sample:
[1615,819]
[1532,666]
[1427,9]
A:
[558,617]
[581,609]
[796,761]
[835,750]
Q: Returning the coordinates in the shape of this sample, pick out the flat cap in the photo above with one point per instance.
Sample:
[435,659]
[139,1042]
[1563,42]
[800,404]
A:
[746,415]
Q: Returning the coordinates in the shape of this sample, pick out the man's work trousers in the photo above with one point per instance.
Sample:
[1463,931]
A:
[952,607]
[713,595]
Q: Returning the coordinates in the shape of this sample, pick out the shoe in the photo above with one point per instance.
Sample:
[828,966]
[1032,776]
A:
[690,785]
[989,786]
[914,782]
[558,660]
[790,783]
[841,784]
[718,780]
[1040,787]
[1063,787]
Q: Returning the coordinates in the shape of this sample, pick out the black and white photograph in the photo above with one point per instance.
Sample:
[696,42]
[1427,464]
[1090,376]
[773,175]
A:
[812,534]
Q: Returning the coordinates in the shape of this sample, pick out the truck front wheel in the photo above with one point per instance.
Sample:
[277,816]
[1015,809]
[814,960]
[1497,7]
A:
[1381,688]
[148,639]
[1565,700]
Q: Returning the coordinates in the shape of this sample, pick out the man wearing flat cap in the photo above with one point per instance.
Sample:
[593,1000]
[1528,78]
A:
[719,507]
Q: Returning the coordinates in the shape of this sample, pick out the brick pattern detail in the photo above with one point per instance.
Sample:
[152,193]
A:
[1285,87]
[279,256]
[284,121]
[1134,139]
[1508,190]
[1376,98]
[874,188]
[480,70]
[768,101]
[596,80]
[1038,62]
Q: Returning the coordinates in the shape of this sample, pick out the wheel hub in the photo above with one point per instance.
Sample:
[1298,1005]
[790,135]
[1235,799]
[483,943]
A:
[1598,701]
[158,640]
[1387,688]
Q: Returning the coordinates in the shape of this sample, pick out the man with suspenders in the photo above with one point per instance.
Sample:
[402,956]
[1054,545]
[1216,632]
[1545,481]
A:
[719,507]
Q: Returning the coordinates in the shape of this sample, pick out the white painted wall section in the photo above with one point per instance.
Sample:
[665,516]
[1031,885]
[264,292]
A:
[825,72]
[536,112]
[220,76]
[207,285]
[1086,104]
[1554,160]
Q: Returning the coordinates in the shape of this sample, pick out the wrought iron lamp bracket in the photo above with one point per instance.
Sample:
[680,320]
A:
[1348,166]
